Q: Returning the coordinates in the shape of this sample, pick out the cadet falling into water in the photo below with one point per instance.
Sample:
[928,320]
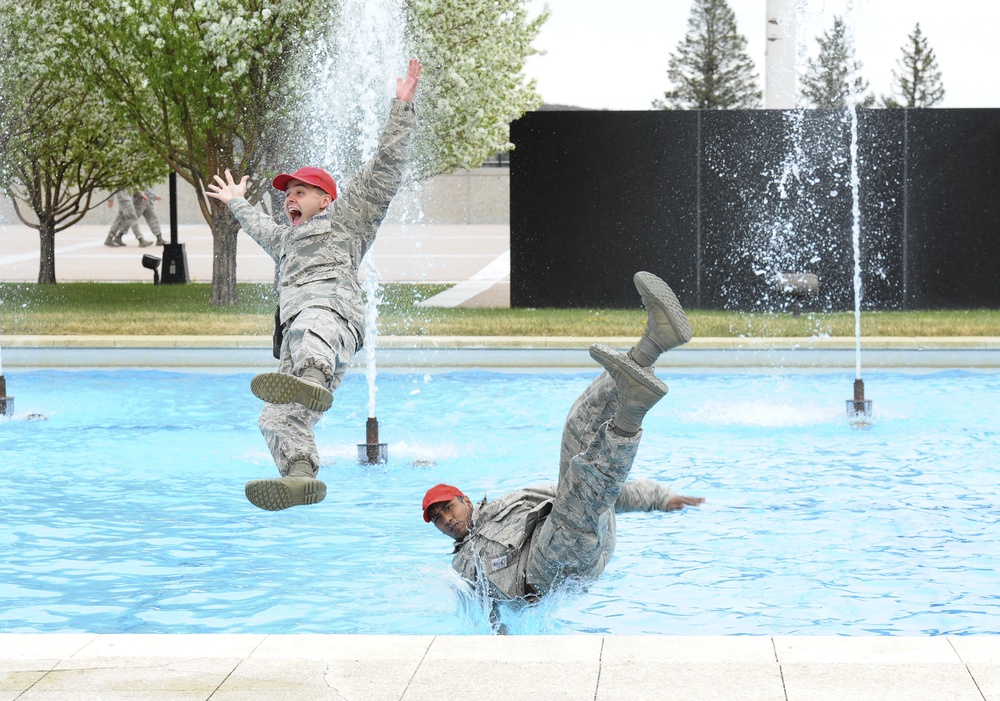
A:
[319,296]
[531,541]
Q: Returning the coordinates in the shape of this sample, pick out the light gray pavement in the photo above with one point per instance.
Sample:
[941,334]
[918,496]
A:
[84,667]
[444,253]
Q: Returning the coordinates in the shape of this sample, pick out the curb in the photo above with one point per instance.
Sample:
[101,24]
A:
[446,352]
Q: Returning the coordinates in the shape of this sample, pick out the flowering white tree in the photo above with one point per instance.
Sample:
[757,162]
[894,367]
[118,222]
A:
[55,158]
[473,84]
[209,84]
[216,84]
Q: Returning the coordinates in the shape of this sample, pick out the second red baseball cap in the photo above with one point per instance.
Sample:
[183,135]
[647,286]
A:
[437,494]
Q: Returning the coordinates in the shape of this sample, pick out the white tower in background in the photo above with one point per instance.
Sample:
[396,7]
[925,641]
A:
[779,56]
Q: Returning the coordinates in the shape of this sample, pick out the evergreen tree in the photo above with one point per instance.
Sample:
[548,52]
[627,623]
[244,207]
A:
[917,83]
[835,74]
[711,68]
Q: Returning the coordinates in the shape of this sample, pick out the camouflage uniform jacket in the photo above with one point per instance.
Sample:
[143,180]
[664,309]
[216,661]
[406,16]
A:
[317,261]
[496,548]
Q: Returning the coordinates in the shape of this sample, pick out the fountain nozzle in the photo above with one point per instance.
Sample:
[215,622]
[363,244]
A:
[371,452]
[859,407]
[6,403]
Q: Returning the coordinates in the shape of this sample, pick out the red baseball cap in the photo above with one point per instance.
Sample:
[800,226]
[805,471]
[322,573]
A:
[314,176]
[437,494]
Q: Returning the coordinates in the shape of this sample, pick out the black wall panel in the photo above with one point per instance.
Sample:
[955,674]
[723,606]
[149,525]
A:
[720,202]
[953,208]
[593,195]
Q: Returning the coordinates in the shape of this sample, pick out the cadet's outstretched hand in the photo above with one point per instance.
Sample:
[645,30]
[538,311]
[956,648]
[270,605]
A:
[407,87]
[679,502]
[225,190]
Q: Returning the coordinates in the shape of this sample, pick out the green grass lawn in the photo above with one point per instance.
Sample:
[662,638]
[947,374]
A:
[93,308]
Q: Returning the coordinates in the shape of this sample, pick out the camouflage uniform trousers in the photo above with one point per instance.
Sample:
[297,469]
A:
[126,216]
[578,538]
[144,210]
[315,338]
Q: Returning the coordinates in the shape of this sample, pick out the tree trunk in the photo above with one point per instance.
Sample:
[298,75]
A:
[224,231]
[46,252]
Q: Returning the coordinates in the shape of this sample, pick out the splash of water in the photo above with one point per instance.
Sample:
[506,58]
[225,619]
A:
[796,227]
[856,234]
[364,54]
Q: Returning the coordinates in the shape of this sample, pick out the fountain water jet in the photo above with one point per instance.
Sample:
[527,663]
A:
[364,54]
[789,245]
[859,409]
[371,452]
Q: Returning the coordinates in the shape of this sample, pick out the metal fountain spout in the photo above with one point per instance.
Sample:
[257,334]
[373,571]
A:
[371,452]
[6,403]
[859,408]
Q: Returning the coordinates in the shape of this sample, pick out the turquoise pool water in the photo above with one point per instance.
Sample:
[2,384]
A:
[124,510]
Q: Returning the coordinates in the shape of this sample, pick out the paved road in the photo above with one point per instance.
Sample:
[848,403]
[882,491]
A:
[476,258]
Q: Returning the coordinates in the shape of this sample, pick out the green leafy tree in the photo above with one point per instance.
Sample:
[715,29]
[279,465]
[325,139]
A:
[835,75]
[208,85]
[56,159]
[473,85]
[917,82]
[216,84]
[711,68]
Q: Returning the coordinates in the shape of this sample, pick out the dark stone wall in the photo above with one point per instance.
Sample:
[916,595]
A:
[953,209]
[719,202]
[591,196]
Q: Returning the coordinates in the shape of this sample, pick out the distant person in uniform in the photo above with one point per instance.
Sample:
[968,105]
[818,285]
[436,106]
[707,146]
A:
[527,543]
[143,203]
[320,305]
[124,220]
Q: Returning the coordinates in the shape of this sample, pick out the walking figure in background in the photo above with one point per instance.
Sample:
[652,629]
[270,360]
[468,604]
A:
[533,540]
[143,203]
[320,305]
[124,220]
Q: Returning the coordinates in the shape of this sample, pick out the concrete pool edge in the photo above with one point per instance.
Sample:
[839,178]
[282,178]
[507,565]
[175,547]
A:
[315,666]
[504,352]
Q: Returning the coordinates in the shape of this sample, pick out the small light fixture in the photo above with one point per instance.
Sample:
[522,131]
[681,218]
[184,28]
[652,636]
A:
[152,263]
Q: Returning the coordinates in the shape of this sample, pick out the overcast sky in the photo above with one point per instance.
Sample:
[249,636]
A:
[613,54]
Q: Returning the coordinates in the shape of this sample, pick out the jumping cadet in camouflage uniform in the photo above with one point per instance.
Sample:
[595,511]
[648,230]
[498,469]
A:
[527,543]
[143,203]
[319,296]
[124,220]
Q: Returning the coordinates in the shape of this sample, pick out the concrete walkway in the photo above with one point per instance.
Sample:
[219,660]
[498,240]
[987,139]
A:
[402,253]
[84,667]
